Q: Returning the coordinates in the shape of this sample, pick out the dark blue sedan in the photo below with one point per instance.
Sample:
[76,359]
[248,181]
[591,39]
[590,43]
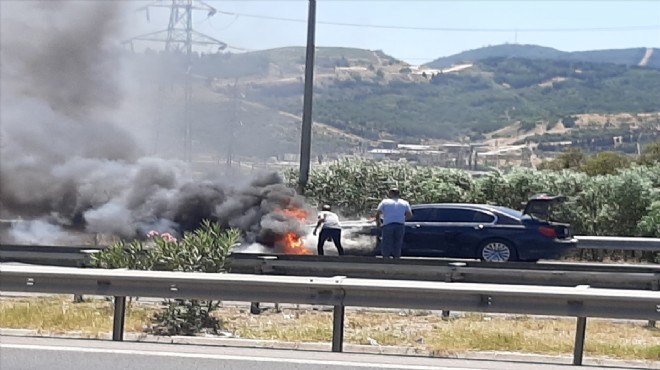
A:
[485,232]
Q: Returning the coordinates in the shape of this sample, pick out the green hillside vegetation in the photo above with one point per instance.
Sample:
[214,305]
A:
[381,101]
[601,163]
[497,51]
[495,93]
[277,62]
[296,55]
[617,56]
[596,139]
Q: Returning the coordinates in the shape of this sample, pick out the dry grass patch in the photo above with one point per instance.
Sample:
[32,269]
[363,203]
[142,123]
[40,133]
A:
[474,332]
[60,315]
[418,329]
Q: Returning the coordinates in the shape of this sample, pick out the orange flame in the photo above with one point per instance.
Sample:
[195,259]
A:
[293,244]
[297,213]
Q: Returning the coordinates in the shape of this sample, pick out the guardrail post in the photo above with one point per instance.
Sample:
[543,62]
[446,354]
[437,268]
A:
[338,329]
[118,320]
[655,286]
[449,277]
[262,268]
[580,333]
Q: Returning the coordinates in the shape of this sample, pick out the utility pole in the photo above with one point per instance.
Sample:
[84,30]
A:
[306,132]
[233,124]
[180,36]
[187,140]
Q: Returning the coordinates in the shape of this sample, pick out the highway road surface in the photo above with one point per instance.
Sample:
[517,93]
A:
[29,353]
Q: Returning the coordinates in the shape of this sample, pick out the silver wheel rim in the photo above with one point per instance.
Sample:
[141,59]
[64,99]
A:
[496,252]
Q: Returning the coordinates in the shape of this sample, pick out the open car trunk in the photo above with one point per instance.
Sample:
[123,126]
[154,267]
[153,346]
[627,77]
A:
[539,208]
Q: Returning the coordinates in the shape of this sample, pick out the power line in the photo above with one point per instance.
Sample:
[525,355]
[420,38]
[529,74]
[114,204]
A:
[181,36]
[224,28]
[448,29]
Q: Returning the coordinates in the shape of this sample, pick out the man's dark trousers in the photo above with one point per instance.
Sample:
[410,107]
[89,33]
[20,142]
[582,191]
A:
[392,240]
[326,234]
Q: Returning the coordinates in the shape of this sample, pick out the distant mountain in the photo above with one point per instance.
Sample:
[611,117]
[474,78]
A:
[631,57]
[492,94]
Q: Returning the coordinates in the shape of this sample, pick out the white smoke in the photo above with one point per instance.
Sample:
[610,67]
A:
[353,240]
[40,232]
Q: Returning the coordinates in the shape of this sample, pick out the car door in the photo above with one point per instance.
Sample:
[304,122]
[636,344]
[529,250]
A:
[424,235]
[465,229]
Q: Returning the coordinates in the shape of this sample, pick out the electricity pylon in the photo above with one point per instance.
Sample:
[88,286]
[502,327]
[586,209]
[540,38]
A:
[180,36]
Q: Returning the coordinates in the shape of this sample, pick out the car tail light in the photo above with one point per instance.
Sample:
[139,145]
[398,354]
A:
[550,232]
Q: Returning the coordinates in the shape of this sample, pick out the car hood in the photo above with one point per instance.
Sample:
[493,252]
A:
[540,204]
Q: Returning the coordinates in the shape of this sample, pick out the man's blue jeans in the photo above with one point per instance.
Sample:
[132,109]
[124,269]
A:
[392,240]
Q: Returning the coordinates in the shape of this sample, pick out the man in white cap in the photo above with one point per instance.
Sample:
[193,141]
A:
[330,229]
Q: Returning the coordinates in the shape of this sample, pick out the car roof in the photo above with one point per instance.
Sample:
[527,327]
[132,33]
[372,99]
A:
[454,205]
[483,207]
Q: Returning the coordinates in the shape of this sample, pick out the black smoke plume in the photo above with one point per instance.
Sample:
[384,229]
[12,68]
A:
[66,156]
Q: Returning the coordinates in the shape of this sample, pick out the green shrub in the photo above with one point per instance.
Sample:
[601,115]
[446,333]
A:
[202,250]
[606,163]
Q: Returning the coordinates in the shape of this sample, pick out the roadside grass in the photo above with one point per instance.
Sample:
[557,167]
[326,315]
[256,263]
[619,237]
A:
[59,315]
[418,329]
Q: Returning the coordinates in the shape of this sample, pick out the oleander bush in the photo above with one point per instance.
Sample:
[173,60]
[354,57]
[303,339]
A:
[202,250]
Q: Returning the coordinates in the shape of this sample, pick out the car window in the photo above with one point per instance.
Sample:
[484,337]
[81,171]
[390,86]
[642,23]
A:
[511,212]
[506,220]
[483,217]
[423,215]
[463,215]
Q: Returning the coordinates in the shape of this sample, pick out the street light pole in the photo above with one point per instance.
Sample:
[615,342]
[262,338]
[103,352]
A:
[306,134]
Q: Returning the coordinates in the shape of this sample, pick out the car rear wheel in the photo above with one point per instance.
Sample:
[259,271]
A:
[497,251]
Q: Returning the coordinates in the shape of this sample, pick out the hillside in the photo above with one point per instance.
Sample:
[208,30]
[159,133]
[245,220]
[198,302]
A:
[491,94]
[324,55]
[226,121]
[278,63]
[247,129]
[362,96]
[629,57]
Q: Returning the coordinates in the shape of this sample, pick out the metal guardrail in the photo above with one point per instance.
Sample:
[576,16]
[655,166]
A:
[76,256]
[340,292]
[638,277]
[69,256]
[618,243]
[612,276]
[50,255]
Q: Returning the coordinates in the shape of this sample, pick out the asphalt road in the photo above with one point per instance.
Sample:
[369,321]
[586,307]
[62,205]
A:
[23,353]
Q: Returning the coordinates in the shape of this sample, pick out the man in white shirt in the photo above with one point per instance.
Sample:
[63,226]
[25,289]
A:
[395,211]
[331,229]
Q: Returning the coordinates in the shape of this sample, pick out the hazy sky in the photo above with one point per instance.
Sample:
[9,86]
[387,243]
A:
[487,23]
